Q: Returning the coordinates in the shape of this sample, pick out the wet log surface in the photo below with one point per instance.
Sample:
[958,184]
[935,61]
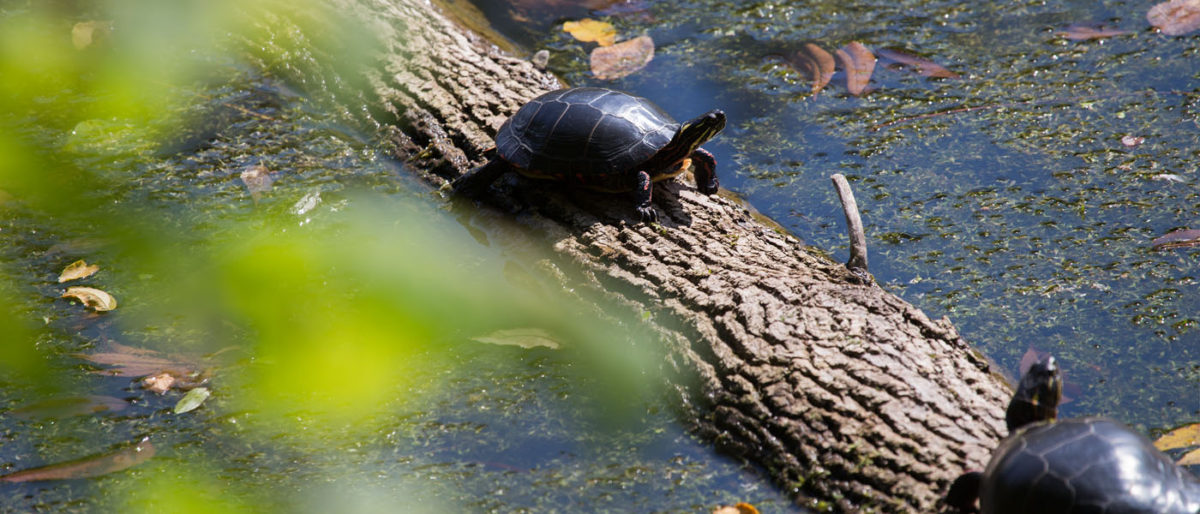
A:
[847,394]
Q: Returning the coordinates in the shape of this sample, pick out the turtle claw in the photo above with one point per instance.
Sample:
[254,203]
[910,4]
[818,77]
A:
[647,213]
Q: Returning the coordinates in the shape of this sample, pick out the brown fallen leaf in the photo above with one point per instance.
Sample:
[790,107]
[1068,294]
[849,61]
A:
[257,179]
[163,371]
[87,467]
[923,66]
[77,270]
[859,63]
[66,407]
[622,59]
[1182,437]
[588,30]
[815,63]
[1176,17]
[159,383]
[1191,458]
[1080,32]
[98,300]
[1181,238]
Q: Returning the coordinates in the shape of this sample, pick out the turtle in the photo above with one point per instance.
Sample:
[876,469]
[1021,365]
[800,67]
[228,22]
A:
[1089,464]
[600,139]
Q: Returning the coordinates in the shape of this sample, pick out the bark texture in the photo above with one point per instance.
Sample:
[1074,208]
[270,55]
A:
[848,395]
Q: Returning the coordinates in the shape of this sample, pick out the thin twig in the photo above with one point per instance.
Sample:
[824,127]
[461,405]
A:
[858,238]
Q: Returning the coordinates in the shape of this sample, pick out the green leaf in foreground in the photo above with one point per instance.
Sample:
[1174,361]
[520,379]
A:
[191,400]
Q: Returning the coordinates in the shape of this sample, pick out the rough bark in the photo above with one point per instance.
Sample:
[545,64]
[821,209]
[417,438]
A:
[847,394]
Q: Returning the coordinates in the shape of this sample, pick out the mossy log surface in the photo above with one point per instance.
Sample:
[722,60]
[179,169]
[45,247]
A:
[847,394]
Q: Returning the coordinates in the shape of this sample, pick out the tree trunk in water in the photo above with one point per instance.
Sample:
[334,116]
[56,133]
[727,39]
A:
[847,394]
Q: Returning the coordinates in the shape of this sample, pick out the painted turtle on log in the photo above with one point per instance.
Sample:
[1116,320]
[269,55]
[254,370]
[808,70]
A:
[600,139]
[1076,465]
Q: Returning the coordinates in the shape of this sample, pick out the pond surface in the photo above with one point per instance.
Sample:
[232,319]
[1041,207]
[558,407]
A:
[1004,199]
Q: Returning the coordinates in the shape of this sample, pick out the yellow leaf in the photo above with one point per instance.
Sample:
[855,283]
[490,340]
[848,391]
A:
[98,300]
[1191,458]
[77,270]
[740,508]
[1182,437]
[588,29]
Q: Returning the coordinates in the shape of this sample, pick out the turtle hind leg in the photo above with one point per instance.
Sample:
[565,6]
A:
[473,183]
[964,492]
[643,191]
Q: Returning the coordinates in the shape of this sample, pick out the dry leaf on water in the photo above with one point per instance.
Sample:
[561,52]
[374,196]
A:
[859,63]
[1182,437]
[257,179]
[588,30]
[57,408]
[740,508]
[98,300]
[925,67]
[1191,458]
[88,467]
[815,63]
[1078,32]
[622,59]
[1181,238]
[77,270]
[162,372]
[1176,17]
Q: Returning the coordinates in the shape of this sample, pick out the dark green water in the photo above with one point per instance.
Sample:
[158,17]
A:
[1024,218]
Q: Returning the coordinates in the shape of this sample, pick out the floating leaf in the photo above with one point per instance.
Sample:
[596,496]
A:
[98,300]
[1078,32]
[1191,458]
[87,33]
[1132,141]
[77,270]
[1175,17]
[622,59]
[159,383]
[1182,437]
[66,407]
[588,30]
[162,372]
[88,467]
[815,63]
[859,63]
[191,400]
[1181,238]
[925,67]
[523,337]
[257,179]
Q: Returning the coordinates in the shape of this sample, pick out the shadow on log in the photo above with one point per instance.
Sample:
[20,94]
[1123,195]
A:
[848,395]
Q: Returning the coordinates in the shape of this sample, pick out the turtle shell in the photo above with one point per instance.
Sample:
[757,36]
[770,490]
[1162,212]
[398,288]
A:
[1084,465]
[594,137]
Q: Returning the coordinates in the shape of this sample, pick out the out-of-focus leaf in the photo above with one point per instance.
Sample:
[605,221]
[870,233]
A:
[88,33]
[98,300]
[192,400]
[69,406]
[588,30]
[1176,17]
[925,67]
[815,63]
[1191,458]
[859,63]
[1182,437]
[622,59]
[88,467]
[77,270]
[1181,238]
[257,179]
[523,337]
[1078,32]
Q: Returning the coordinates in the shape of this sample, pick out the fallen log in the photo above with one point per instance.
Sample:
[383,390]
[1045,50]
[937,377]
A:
[849,396]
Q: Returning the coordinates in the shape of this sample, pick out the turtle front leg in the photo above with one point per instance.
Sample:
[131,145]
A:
[705,171]
[642,191]
[475,182]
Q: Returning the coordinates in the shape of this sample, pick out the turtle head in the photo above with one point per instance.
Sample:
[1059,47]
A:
[1037,395]
[697,131]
